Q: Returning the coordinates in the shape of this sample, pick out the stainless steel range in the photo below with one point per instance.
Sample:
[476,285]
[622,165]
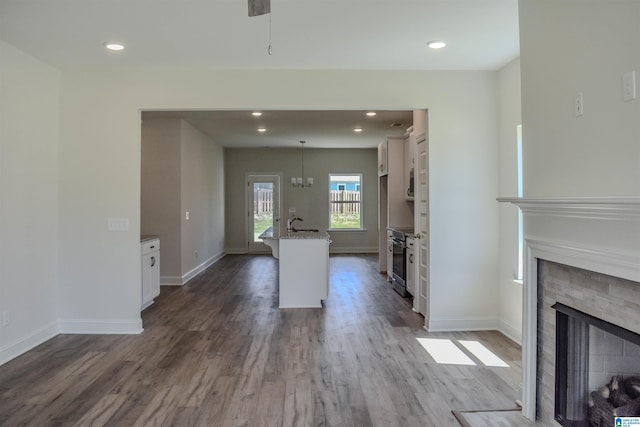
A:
[399,243]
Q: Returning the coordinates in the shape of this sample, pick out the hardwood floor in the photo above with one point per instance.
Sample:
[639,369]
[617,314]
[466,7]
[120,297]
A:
[219,352]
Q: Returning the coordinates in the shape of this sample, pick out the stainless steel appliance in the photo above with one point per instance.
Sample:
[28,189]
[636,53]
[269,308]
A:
[399,254]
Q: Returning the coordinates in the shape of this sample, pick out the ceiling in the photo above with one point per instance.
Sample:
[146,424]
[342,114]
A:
[305,34]
[286,128]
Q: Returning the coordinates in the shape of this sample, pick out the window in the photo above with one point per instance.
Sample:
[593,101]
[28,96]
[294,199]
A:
[345,201]
[520,272]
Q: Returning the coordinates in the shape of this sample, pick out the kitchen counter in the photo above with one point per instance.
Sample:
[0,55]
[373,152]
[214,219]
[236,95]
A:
[147,237]
[305,235]
[303,266]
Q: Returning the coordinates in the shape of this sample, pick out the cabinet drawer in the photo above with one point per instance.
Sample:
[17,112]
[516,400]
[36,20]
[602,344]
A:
[150,246]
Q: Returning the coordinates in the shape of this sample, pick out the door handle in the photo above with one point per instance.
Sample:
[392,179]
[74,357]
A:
[153,261]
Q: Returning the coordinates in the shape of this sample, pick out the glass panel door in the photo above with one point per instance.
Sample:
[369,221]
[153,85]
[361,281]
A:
[264,208]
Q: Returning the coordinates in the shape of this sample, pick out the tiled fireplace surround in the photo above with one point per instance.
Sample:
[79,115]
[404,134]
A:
[593,245]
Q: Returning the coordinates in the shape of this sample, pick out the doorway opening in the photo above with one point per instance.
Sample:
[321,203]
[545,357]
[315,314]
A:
[263,203]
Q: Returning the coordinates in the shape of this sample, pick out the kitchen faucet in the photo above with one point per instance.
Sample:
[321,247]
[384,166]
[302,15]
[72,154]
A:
[291,220]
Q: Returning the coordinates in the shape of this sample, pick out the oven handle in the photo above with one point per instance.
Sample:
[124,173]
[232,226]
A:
[400,243]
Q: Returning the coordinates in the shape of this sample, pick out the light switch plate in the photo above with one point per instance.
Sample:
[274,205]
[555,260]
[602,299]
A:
[629,86]
[118,224]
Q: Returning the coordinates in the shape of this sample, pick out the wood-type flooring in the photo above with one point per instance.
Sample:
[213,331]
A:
[219,352]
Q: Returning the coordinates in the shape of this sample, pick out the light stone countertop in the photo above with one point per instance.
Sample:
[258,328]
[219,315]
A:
[306,235]
[268,234]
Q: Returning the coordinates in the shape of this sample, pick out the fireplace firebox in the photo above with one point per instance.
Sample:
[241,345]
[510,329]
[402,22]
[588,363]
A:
[597,370]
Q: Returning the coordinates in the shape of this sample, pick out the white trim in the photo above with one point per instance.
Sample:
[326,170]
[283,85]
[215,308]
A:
[236,251]
[26,343]
[99,326]
[171,281]
[581,207]
[510,332]
[354,250]
[449,324]
[200,268]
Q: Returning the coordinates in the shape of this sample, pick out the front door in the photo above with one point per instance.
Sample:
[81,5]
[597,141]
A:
[263,202]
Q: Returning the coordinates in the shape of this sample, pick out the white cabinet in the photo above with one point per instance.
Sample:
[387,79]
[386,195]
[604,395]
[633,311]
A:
[409,164]
[411,267]
[303,270]
[383,168]
[150,249]
[389,255]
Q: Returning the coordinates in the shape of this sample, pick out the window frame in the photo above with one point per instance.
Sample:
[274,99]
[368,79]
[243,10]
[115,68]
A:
[360,202]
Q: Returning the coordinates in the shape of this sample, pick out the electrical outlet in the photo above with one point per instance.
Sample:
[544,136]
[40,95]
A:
[186,216]
[6,318]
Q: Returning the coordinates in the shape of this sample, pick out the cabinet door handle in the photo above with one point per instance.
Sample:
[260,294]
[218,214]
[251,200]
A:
[153,261]
[411,258]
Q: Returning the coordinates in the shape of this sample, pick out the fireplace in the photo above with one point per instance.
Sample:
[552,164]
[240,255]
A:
[587,353]
[597,370]
[583,252]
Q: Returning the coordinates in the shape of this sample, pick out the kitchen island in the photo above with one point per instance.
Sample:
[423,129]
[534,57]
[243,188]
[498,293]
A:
[303,267]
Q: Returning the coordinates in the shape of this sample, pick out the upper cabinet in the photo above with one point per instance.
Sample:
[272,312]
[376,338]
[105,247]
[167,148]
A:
[400,214]
[383,163]
[409,164]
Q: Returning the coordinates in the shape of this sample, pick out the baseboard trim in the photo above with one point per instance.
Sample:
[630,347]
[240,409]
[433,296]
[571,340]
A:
[26,343]
[353,250]
[510,332]
[445,324]
[236,251]
[171,281]
[95,326]
[202,267]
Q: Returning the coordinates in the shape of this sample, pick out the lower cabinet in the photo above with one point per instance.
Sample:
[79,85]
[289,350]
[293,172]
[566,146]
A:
[150,271]
[411,268]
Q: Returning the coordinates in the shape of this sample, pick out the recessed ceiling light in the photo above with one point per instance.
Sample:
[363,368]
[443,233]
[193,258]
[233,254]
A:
[113,45]
[436,44]
[371,113]
[357,129]
[262,129]
[256,113]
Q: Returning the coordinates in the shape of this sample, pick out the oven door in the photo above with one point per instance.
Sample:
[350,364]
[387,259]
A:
[399,267]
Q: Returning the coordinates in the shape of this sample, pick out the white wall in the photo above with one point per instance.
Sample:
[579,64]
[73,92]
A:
[585,47]
[160,197]
[202,189]
[182,171]
[509,117]
[29,103]
[463,184]
[312,204]
[100,173]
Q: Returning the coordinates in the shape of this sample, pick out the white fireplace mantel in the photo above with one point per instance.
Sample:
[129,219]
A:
[600,234]
[585,207]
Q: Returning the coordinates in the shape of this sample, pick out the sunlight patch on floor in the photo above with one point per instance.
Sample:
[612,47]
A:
[445,352]
[486,356]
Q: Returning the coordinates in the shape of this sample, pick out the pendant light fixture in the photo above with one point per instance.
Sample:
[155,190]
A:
[299,181]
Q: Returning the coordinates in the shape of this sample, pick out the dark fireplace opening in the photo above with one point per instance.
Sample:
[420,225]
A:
[597,370]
